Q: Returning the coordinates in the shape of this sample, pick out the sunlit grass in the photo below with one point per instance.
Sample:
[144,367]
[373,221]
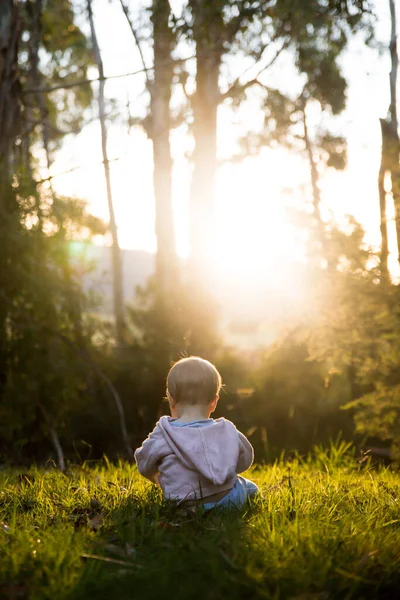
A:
[324,526]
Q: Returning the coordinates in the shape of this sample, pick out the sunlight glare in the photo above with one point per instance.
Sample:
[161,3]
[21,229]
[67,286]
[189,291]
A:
[254,240]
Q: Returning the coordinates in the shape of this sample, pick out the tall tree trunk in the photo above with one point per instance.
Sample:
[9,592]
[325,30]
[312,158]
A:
[115,249]
[10,109]
[10,28]
[395,168]
[316,193]
[160,124]
[384,253]
[395,65]
[313,174]
[35,11]
[159,88]
[207,33]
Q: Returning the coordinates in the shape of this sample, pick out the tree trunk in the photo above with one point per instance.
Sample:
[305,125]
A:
[10,108]
[160,90]
[384,253]
[316,193]
[35,10]
[395,149]
[115,249]
[313,173]
[10,28]
[207,33]
[395,65]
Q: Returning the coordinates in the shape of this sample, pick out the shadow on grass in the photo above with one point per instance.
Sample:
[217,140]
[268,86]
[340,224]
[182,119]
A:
[155,549]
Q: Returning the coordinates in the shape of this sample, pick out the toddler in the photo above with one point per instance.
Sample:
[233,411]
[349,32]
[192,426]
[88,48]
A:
[194,458]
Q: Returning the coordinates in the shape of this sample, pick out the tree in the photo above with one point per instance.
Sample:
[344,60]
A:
[394,121]
[53,49]
[10,110]
[390,153]
[309,30]
[385,165]
[296,412]
[357,331]
[116,261]
[158,125]
[208,35]
[43,380]
[286,123]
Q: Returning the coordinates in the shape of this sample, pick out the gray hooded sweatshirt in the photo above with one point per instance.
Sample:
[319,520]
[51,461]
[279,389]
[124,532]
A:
[194,462]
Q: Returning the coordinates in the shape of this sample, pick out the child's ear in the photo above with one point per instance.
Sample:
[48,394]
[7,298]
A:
[214,403]
[172,406]
[171,401]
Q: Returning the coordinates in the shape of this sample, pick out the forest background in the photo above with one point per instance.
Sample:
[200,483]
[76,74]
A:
[231,100]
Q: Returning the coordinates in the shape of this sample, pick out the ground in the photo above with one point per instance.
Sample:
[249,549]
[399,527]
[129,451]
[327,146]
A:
[325,527]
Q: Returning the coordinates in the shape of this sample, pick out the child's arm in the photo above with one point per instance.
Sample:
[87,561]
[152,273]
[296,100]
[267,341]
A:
[246,454]
[150,453]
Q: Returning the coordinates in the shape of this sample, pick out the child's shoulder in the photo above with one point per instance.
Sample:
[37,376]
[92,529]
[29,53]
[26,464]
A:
[225,423]
[225,420]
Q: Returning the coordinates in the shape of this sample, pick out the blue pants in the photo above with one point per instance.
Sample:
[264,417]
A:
[237,497]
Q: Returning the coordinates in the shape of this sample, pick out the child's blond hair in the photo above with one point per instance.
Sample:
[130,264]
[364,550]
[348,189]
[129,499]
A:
[193,380]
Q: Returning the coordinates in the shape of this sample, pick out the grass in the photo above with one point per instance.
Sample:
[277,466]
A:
[324,528]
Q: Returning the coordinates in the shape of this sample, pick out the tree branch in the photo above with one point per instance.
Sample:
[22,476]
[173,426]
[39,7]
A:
[78,168]
[71,84]
[68,85]
[82,351]
[136,38]
[236,87]
[244,87]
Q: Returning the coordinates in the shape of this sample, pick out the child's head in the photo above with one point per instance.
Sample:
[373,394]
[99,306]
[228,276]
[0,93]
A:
[193,381]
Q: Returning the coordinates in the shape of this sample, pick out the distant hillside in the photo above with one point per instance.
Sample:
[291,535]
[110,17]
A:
[251,312]
[137,266]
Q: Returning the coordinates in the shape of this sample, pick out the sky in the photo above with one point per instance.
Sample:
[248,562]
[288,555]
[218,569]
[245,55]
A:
[253,198]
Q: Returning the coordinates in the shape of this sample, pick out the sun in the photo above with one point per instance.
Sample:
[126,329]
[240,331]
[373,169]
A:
[254,240]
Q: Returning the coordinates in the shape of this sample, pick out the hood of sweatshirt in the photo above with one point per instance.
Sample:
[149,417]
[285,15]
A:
[212,450]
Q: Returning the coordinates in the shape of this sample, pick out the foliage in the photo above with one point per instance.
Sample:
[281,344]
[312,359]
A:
[296,412]
[43,378]
[102,531]
[166,328]
[357,329]
[52,349]
[54,50]
[315,34]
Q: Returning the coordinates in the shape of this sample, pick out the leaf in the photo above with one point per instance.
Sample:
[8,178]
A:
[391,522]
[25,478]
[108,559]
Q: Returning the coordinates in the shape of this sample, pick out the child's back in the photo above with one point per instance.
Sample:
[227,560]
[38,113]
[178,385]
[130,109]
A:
[193,457]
